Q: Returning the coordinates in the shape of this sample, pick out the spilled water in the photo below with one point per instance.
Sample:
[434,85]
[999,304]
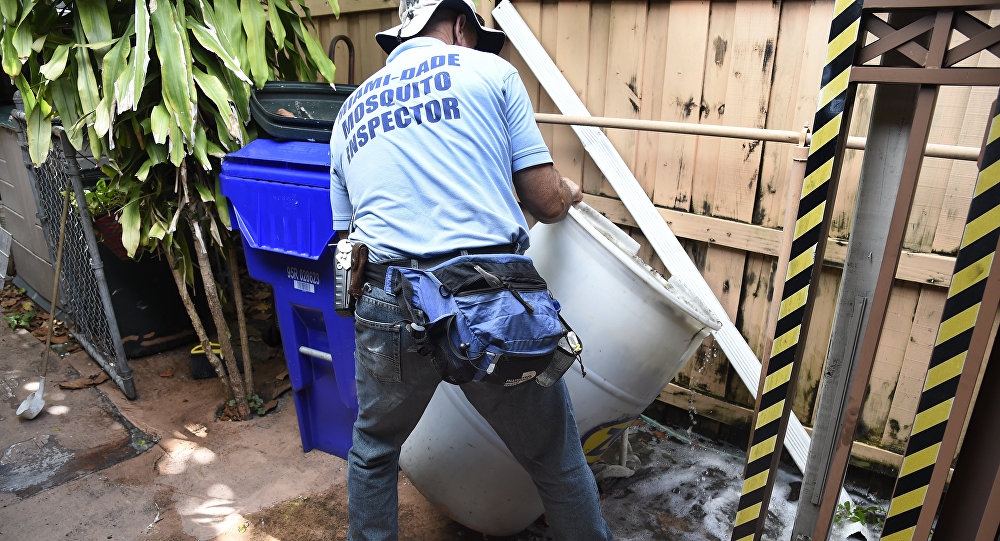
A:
[688,488]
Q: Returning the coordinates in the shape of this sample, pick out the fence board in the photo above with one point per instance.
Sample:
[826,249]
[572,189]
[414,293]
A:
[322,7]
[935,173]
[800,54]
[747,93]
[650,96]
[817,342]
[710,368]
[626,48]
[646,252]
[718,61]
[360,28]
[549,38]
[372,56]
[757,292]
[712,263]
[746,102]
[891,354]
[847,191]
[572,57]
[755,298]
[531,12]
[911,375]
[600,20]
[687,31]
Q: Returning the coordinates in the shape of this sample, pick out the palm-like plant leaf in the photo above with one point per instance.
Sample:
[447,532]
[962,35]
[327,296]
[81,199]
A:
[8,9]
[95,19]
[254,19]
[173,69]
[53,69]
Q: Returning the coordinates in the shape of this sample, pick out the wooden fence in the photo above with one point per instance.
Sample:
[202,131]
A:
[750,63]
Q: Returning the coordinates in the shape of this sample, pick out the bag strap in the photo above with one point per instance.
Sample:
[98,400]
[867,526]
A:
[416,320]
[575,343]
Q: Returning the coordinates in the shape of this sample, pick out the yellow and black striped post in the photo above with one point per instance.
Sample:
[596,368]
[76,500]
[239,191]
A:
[961,309]
[811,228]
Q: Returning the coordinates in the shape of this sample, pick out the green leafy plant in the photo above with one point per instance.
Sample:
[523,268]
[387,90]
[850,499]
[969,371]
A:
[19,319]
[102,199]
[866,515]
[159,91]
[256,404]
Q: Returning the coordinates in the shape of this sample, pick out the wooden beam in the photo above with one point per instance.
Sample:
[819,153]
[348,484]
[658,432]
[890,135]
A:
[322,7]
[983,40]
[862,454]
[890,38]
[867,455]
[924,76]
[886,5]
[714,408]
[923,268]
[729,233]
[971,26]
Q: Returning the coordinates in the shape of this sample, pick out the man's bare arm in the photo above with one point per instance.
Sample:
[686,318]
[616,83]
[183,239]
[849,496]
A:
[545,193]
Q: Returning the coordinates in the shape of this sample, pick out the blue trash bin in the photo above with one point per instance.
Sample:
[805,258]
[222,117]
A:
[280,200]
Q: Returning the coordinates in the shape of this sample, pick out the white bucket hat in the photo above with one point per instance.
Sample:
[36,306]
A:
[414,14]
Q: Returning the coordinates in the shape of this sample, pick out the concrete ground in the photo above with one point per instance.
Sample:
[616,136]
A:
[95,466]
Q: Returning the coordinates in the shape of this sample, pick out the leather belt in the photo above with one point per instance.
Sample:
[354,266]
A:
[375,272]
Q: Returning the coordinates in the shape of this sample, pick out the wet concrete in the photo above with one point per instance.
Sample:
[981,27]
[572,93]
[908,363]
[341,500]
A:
[78,432]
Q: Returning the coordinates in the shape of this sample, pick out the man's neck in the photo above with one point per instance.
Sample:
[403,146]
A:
[440,35]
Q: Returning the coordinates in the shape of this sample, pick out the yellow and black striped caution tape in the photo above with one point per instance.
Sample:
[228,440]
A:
[829,123]
[972,268]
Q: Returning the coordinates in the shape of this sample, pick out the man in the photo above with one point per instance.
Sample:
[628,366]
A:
[427,156]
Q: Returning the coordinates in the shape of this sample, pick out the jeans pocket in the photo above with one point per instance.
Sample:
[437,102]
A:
[377,348]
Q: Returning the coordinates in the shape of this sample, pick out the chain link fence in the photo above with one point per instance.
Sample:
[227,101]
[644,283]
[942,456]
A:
[83,291]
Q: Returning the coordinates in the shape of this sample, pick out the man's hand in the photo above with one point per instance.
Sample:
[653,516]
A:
[576,193]
[545,193]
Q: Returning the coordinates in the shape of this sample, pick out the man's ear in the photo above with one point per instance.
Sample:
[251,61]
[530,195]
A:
[461,24]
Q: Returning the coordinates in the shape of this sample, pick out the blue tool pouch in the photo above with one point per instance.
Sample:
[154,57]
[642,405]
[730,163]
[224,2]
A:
[485,318]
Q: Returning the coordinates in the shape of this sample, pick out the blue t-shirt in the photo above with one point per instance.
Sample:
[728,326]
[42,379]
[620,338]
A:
[423,152]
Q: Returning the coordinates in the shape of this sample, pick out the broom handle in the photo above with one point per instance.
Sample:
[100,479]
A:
[55,281]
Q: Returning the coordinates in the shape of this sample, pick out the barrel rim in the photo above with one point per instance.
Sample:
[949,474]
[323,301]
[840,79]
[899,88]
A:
[672,289]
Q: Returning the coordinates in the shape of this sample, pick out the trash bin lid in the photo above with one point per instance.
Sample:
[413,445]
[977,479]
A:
[290,162]
[314,106]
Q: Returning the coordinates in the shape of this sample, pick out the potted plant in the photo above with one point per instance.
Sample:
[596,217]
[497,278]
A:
[104,204]
[160,90]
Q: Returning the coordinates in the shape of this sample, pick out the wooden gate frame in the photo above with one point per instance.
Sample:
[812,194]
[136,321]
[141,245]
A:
[930,66]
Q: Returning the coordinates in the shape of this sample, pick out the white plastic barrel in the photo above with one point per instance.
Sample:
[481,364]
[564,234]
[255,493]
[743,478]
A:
[638,330]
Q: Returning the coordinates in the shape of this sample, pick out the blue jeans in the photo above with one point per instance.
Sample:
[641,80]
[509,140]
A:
[395,383]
